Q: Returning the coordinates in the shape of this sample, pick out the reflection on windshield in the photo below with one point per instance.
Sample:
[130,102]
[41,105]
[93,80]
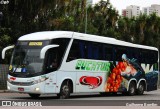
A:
[25,61]
[28,59]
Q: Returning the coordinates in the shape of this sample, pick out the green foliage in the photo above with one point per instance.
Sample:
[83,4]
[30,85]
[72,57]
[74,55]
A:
[27,16]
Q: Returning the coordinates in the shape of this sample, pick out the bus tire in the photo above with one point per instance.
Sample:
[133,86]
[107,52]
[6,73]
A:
[34,95]
[141,88]
[65,90]
[132,89]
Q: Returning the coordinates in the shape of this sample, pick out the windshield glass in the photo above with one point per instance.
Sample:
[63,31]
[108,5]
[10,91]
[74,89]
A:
[25,61]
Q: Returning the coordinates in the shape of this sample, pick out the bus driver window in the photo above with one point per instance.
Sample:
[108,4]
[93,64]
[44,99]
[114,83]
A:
[54,64]
[52,60]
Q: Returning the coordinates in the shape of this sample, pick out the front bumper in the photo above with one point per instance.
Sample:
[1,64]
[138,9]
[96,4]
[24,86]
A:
[36,88]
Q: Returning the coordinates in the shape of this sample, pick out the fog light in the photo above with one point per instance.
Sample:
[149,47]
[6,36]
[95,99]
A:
[37,89]
[8,88]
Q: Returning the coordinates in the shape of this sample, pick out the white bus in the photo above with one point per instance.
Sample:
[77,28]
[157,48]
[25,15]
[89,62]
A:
[61,62]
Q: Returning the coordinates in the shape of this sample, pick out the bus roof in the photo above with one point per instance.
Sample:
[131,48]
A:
[48,35]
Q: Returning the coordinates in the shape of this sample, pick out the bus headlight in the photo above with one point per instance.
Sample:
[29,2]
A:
[37,89]
[39,80]
[8,88]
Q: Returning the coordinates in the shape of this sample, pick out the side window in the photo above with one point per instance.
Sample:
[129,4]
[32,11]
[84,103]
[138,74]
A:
[129,51]
[142,54]
[52,62]
[146,57]
[119,52]
[55,55]
[108,52]
[135,54]
[96,51]
[154,56]
[89,48]
[93,50]
[75,51]
[85,50]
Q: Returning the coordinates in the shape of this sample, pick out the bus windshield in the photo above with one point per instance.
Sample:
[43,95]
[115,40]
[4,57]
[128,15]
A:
[25,61]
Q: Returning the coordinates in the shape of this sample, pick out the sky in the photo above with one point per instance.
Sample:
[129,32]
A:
[122,4]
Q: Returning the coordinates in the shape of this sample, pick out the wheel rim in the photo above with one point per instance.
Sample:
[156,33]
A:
[65,91]
[132,90]
[141,88]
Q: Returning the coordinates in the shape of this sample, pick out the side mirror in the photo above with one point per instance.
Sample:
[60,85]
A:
[44,49]
[5,49]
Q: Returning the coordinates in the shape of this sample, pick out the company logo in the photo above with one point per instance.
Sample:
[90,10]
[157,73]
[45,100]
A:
[21,103]
[6,103]
[4,2]
[92,82]
[86,65]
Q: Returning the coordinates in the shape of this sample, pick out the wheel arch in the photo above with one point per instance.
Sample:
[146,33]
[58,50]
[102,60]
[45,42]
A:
[144,81]
[131,80]
[70,82]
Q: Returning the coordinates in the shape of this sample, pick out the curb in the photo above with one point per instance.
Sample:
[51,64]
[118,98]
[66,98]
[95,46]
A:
[4,91]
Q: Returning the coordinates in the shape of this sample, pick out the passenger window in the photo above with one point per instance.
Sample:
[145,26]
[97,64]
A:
[119,52]
[108,50]
[84,50]
[96,48]
[74,51]
[89,50]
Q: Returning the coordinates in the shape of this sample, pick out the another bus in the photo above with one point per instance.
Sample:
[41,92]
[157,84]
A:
[61,62]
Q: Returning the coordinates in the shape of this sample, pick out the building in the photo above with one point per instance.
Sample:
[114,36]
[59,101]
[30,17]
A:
[131,11]
[156,9]
[89,2]
[147,10]
[127,13]
[153,9]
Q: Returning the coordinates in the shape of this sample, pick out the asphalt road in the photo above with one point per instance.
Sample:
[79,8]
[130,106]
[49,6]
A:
[87,99]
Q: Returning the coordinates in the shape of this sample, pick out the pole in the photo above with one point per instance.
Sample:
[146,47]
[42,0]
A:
[86,20]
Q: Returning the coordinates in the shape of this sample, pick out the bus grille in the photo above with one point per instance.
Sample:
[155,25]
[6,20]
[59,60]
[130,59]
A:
[22,83]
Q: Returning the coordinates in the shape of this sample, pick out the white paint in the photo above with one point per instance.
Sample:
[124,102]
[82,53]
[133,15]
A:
[44,49]
[140,81]
[5,49]
[146,68]
[132,79]
[48,35]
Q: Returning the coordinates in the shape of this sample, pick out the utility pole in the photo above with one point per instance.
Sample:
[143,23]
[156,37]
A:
[88,3]
[86,20]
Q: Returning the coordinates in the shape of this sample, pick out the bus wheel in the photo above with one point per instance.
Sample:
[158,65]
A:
[34,95]
[132,89]
[65,90]
[141,88]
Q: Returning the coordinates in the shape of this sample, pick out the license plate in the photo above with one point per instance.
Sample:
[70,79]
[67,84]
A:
[21,89]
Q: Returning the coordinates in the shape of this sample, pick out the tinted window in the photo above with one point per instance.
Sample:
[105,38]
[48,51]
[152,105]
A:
[108,52]
[81,49]
[55,55]
[75,51]
[119,51]
[145,56]
[89,50]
